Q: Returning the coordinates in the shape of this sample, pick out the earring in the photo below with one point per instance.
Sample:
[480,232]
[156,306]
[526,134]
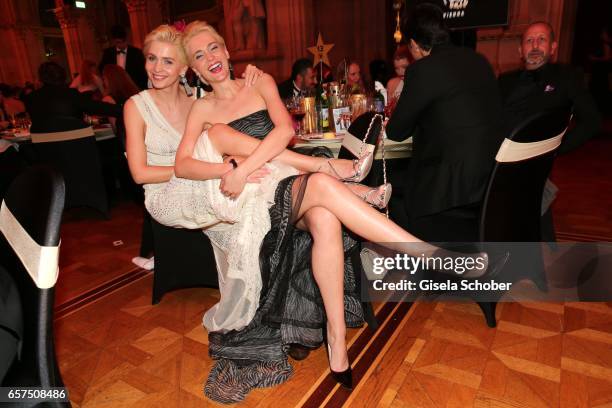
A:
[231,69]
[183,81]
[149,84]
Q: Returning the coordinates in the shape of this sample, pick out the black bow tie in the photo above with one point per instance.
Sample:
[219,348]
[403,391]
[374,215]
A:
[121,52]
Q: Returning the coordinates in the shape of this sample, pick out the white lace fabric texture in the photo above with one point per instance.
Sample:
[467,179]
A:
[235,227]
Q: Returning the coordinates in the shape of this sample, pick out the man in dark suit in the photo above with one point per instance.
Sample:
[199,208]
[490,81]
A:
[450,105]
[127,57]
[302,79]
[541,86]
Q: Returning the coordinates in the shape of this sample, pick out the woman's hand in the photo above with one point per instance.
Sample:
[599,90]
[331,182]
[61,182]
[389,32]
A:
[254,177]
[251,74]
[232,183]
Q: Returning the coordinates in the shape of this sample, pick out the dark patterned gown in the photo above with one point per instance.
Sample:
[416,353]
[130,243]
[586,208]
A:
[290,308]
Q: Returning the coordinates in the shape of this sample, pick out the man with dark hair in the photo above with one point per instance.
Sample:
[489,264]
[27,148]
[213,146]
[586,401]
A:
[302,79]
[127,57]
[542,86]
[450,105]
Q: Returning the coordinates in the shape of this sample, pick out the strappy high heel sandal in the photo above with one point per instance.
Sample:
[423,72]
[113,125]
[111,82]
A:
[361,166]
[378,196]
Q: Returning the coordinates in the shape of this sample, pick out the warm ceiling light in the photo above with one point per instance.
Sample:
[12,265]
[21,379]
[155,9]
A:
[79,4]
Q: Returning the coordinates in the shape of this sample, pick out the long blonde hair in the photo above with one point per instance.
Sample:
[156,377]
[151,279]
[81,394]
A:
[169,34]
[196,27]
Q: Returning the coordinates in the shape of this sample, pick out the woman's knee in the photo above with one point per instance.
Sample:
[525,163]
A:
[216,131]
[322,222]
[320,182]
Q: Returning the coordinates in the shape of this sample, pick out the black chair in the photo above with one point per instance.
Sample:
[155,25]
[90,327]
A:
[30,220]
[183,259]
[512,205]
[11,164]
[75,155]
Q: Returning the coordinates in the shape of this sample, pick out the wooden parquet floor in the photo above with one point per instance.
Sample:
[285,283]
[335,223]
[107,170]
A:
[95,250]
[120,351]
[583,208]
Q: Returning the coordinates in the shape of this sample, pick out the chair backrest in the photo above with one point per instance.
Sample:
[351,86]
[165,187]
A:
[30,218]
[51,137]
[513,199]
[76,156]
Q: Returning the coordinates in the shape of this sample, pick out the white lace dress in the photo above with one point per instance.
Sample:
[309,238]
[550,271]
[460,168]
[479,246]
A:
[235,227]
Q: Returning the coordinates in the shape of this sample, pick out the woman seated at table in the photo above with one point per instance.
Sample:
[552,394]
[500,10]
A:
[57,108]
[396,84]
[119,87]
[88,81]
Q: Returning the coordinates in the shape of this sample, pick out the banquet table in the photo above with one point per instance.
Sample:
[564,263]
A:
[393,150]
[101,133]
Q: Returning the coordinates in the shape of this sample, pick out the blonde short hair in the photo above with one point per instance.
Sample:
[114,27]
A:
[196,27]
[168,34]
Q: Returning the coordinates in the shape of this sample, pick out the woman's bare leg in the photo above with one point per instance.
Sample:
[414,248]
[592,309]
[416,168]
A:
[232,142]
[328,269]
[327,192]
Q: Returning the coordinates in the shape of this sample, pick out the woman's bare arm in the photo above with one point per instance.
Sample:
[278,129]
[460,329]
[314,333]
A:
[278,139]
[185,165]
[274,143]
[136,150]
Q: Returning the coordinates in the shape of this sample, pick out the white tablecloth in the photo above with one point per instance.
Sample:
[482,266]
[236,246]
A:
[103,133]
[393,150]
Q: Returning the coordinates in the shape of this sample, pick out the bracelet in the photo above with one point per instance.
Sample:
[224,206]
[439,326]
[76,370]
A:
[233,163]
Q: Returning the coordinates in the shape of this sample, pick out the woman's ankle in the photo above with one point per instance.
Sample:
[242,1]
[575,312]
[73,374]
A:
[336,334]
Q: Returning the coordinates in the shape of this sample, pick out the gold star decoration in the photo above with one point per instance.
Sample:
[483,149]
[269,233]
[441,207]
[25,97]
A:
[320,51]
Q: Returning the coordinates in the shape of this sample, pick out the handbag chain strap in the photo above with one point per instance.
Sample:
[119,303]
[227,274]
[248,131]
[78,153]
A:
[380,138]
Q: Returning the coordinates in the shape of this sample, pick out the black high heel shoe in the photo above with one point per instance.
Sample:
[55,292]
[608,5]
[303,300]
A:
[344,378]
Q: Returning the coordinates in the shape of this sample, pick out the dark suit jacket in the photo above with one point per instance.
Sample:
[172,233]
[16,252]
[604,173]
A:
[550,87]
[59,108]
[285,89]
[451,104]
[134,64]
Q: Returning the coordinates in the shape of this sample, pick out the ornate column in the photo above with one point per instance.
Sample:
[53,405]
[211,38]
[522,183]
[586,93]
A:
[139,21]
[68,19]
[15,33]
[26,71]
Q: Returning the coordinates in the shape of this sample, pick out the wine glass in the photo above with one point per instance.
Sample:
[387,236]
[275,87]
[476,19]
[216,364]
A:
[295,106]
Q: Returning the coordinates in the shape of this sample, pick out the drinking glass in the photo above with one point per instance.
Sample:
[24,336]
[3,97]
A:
[295,106]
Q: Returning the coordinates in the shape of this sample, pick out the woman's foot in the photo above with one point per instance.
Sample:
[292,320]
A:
[337,356]
[378,197]
[348,170]
[375,196]
[144,263]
